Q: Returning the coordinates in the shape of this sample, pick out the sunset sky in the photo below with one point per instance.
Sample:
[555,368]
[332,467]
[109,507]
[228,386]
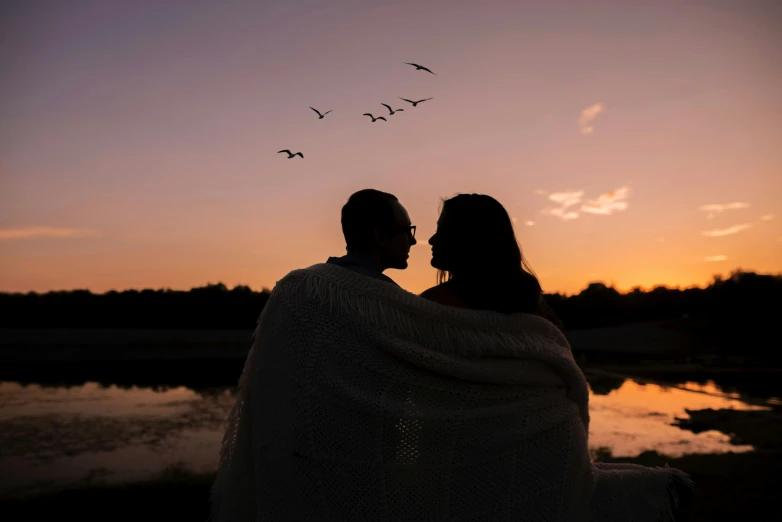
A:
[637,143]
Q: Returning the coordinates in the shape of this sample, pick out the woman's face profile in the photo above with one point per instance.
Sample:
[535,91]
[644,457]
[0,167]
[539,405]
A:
[441,245]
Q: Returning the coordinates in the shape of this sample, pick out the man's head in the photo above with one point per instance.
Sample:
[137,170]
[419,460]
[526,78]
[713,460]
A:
[378,227]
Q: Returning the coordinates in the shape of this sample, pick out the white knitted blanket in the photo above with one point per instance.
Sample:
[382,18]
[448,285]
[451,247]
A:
[362,401]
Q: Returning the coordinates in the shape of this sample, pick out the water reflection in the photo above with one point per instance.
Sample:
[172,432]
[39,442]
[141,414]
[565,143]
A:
[57,435]
[638,417]
[92,399]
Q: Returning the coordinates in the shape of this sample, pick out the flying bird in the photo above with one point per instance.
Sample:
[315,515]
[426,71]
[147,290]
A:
[419,67]
[320,116]
[390,110]
[292,154]
[373,118]
[414,102]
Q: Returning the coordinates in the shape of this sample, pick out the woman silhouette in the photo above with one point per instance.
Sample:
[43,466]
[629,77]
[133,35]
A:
[479,261]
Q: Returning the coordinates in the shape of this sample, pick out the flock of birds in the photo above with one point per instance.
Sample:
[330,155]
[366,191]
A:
[391,111]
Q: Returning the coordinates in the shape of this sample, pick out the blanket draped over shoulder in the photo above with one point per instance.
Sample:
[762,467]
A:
[362,401]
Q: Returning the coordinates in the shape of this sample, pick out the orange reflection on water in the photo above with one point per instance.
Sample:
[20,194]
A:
[638,417]
[135,431]
[91,399]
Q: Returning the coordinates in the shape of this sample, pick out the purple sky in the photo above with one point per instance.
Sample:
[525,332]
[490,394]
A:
[138,139]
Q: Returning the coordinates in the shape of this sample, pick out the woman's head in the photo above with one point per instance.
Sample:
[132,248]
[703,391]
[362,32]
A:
[475,243]
[474,234]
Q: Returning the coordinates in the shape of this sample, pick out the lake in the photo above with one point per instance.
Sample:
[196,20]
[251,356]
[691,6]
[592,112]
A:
[52,436]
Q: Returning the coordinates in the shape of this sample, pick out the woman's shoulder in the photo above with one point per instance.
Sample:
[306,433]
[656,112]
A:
[442,288]
[444,294]
[431,293]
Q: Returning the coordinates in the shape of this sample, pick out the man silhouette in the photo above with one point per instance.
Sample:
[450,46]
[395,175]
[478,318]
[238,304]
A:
[378,234]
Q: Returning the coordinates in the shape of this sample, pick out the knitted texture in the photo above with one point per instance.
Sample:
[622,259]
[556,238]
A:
[362,401]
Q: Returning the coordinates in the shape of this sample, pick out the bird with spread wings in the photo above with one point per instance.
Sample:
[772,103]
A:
[420,67]
[292,154]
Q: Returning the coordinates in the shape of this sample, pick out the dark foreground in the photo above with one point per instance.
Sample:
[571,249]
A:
[730,487]
[172,497]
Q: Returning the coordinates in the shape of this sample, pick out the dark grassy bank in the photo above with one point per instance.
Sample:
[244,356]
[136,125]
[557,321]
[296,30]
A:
[217,358]
[175,496]
[207,358]
[197,374]
[729,487]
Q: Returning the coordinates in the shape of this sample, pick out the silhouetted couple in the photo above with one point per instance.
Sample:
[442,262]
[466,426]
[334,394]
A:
[360,401]
[479,262]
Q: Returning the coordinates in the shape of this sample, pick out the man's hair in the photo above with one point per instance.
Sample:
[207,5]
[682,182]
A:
[365,211]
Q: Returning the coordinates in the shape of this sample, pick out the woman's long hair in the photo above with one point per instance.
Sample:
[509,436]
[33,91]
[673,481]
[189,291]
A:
[484,257]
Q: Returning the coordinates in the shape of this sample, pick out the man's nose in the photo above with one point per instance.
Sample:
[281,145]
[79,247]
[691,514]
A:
[413,241]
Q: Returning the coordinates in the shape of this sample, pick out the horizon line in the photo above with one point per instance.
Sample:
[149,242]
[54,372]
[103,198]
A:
[607,284]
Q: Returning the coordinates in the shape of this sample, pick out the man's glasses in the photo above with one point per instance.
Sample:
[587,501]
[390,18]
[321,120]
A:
[410,229]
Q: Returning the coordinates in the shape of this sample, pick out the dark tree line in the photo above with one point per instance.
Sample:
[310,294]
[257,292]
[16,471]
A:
[744,298]
[211,307]
[743,301]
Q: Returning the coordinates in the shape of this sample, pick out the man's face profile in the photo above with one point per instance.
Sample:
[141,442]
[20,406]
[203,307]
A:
[396,242]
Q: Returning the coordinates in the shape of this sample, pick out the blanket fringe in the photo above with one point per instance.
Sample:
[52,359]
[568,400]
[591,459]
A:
[678,482]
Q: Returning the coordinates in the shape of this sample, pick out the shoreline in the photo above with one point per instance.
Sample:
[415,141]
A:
[215,358]
[62,344]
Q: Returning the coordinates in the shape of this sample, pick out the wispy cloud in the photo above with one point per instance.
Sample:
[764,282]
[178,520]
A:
[714,208]
[718,232]
[541,192]
[527,222]
[715,258]
[767,217]
[567,199]
[606,204]
[30,232]
[560,212]
[719,207]
[587,117]
[564,200]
